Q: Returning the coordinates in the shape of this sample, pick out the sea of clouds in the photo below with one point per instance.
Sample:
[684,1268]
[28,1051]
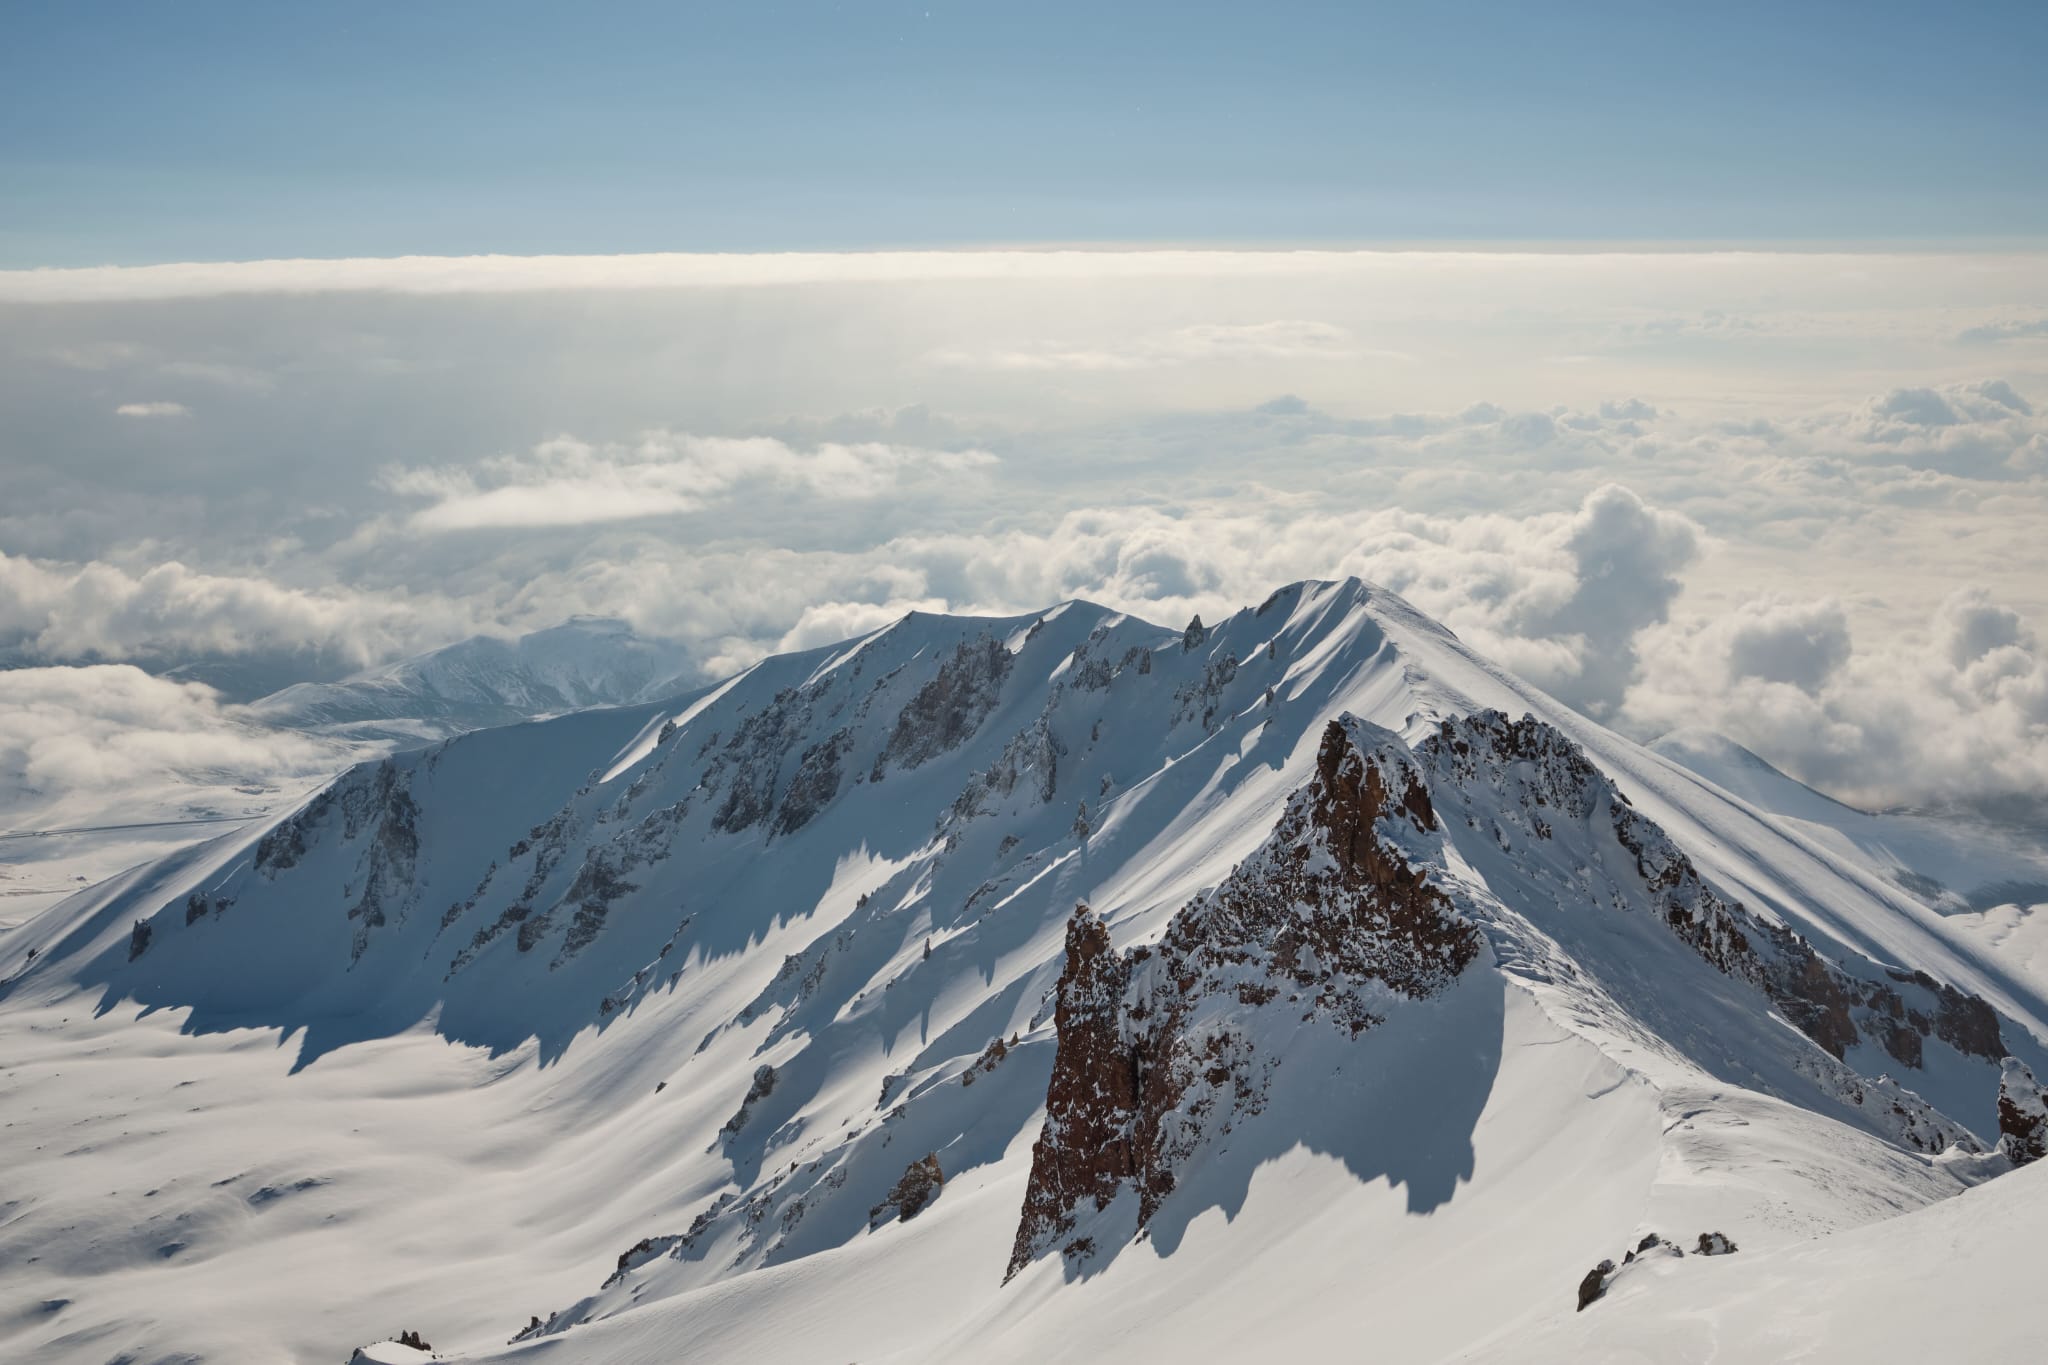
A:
[1797,498]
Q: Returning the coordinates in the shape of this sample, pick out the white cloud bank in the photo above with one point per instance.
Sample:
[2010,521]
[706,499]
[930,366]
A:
[101,610]
[157,408]
[1733,508]
[1213,342]
[566,482]
[94,745]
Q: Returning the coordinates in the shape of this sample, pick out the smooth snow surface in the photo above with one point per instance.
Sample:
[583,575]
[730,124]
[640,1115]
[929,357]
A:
[440,1051]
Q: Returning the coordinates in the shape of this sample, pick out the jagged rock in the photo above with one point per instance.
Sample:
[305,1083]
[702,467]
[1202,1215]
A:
[1830,1006]
[1716,1244]
[1326,909]
[911,1194]
[1604,1276]
[2022,1114]
[1081,828]
[1194,635]
[947,711]
[1204,696]
[991,1057]
[763,1086]
[412,1339]
[138,939]
[815,784]
[1595,1284]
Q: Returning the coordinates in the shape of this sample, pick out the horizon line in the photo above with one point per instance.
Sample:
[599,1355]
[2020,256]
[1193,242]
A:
[504,272]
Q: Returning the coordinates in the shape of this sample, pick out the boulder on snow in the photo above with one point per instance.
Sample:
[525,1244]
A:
[1595,1284]
[1716,1244]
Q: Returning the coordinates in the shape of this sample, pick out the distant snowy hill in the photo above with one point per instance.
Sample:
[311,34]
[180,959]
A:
[1057,987]
[483,681]
[1988,876]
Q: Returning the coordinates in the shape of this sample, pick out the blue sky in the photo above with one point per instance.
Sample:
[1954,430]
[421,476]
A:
[138,133]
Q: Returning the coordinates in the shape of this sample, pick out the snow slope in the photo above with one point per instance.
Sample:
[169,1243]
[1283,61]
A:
[1957,862]
[730,1027]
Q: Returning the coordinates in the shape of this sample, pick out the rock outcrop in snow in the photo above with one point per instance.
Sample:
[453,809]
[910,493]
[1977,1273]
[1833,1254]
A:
[1544,775]
[2022,1114]
[1328,920]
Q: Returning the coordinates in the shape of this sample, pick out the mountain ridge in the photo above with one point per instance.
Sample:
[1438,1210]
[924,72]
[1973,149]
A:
[765,984]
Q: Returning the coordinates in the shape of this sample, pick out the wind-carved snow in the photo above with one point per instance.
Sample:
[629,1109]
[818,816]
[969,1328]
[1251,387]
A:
[738,1051]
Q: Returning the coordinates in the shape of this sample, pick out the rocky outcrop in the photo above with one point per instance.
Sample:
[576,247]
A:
[376,806]
[763,1085]
[815,783]
[1716,1244]
[1155,1052]
[2022,1114]
[910,1196]
[991,1057]
[945,712]
[1604,1276]
[1548,777]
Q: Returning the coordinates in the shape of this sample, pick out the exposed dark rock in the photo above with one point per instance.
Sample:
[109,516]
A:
[763,1086]
[1194,635]
[2022,1114]
[1829,1005]
[911,1194]
[947,711]
[413,1340]
[1326,908]
[991,1057]
[1595,1284]
[138,939]
[1716,1244]
[815,783]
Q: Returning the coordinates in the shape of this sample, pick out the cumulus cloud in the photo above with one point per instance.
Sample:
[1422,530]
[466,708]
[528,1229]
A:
[101,610]
[154,408]
[90,745]
[1958,714]
[566,482]
[1982,428]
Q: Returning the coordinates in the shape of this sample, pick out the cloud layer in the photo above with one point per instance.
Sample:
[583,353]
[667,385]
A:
[1799,498]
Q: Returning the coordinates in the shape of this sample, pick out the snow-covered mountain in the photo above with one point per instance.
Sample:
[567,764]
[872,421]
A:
[484,681]
[1053,987]
[1956,861]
